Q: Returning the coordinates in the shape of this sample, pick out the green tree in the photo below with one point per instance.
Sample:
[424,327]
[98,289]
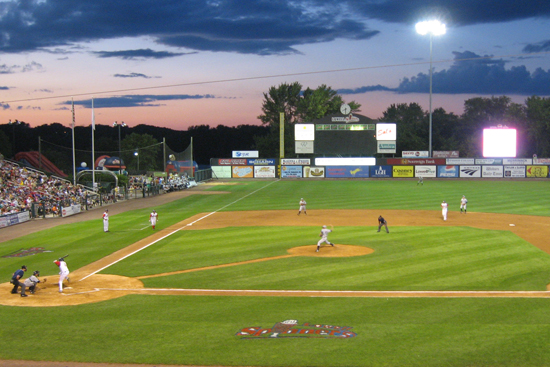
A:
[5,145]
[148,149]
[412,126]
[537,129]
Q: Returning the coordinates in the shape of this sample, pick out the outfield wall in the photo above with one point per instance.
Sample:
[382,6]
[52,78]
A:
[385,168]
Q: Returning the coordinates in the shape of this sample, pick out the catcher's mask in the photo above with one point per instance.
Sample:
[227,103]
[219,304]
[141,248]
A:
[36,273]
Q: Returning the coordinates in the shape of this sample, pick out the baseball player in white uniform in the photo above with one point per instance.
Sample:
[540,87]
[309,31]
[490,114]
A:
[63,272]
[153,218]
[444,207]
[463,203]
[302,206]
[324,237]
[106,221]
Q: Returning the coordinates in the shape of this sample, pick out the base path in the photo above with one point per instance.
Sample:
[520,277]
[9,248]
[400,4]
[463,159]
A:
[87,286]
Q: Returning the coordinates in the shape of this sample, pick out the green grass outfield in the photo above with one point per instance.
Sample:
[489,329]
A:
[201,330]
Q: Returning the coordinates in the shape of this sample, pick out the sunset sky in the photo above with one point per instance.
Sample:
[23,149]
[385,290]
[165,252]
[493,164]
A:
[208,62]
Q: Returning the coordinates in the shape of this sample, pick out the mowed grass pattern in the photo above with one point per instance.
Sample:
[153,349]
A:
[195,330]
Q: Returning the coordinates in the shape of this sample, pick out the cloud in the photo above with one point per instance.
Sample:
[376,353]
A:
[134,75]
[4,88]
[135,100]
[542,46]
[472,74]
[141,53]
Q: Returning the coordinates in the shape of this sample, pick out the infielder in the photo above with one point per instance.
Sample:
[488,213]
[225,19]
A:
[382,222]
[463,203]
[302,206]
[153,218]
[444,206]
[106,221]
[63,272]
[32,281]
[324,237]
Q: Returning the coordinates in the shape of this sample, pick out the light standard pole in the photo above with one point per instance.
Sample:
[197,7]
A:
[136,153]
[122,124]
[13,123]
[433,28]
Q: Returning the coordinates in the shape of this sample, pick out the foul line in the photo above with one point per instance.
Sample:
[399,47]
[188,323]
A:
[171,233]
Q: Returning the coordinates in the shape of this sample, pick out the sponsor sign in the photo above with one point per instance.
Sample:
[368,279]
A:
[386,146]
[304,147]
[460,161]
[447,171]
[315,172]
[492,171]
[380,171]
[70,210]
[27,252]
[245,154]
[445,154]
[419,161]
[264,171]
[295,162]
[232,162]
[304,132]
[489,161]
[517,161]
[386,132]
[261,162]
[3,222]
[291,329]
[470,171]
[415,154]
[347,171]
[537,171]
[221,171]
[425,171]
[540,160]
[514,171]
[403,171]
[347,119]
[15,218]
[242,171]
[291,171]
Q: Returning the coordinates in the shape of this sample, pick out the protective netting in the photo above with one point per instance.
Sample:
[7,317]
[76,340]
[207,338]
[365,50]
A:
[180,163]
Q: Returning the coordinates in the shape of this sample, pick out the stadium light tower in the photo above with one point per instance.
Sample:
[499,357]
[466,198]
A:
[433,28]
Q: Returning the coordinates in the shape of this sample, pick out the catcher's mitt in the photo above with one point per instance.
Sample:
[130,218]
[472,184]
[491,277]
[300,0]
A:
[44,280]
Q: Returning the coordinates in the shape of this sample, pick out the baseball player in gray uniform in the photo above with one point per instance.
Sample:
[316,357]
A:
[463,203]
[324,237]
[302,206]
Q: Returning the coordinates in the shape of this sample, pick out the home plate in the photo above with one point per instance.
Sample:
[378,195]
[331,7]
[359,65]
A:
[512,225]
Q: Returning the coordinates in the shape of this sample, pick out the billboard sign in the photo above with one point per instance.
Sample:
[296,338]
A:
[403,171]
[245,154]
[386,146]
[264,171]
[415,154]
[380,171]
[537,171]
[386,131]
[304,147]
[314,172]
[261,162]
[489,161]
[460,161]
[304,132]
[470,171]
[242,172]
[514,171]
[492,171]
[425,171]
[517,161]
[447,171]
[347,171]
[445,154]
[295,162]
[291,172]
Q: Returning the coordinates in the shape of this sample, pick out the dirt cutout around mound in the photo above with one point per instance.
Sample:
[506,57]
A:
[87,286]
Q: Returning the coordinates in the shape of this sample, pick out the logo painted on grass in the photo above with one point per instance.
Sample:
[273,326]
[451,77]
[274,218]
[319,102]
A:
[27,252]
[291,329]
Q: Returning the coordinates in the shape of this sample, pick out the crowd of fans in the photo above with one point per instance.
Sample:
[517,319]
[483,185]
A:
[21,187]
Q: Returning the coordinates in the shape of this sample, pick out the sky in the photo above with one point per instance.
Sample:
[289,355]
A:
[183,63]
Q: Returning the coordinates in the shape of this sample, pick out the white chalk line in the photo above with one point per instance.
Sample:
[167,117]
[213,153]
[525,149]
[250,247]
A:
[171,233]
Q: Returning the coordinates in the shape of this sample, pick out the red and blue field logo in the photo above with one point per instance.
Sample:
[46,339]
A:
[291,329]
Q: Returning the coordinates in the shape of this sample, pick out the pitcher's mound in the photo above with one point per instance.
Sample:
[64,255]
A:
[330,251]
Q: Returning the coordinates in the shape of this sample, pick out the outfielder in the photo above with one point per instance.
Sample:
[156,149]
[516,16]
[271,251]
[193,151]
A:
[463,203]
[444,207]
[106,221]
[324,237]
[302,206]
[32,281]
[63,272]
[153,218]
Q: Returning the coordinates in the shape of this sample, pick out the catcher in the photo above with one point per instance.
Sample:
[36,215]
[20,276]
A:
[33,280]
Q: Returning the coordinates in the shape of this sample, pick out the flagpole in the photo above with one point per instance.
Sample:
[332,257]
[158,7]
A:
[93,146]
[74,157]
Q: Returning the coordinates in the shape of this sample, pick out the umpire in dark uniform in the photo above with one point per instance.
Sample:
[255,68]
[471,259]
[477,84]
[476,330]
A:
[17,281]
[382,222]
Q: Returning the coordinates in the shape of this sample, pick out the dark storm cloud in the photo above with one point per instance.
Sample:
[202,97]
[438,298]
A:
[135,100]
[538,47]
[140,54]
[473,74]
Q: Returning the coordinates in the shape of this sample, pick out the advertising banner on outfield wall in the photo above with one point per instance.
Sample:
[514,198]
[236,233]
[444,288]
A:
[230,162]
[415,154]
[261,162]
[347,171]
[242,171]
[537,171]
[264,171]
[295,161]
[489,161]
[414,161]
[447,171]
[514,171]
[517,161]
[445,154]
[380,171]
[425,171]
[291,172]
[221,171]
[541,161]
[386,146]
[470,171]
[314,172]
[492,171]
[245,154]
[304,147]
[70,210]
[459,161]
[403,171]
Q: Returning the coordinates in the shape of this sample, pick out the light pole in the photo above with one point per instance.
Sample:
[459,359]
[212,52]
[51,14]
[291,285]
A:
[433,28]
[136,153]
[122,124]
[13,123]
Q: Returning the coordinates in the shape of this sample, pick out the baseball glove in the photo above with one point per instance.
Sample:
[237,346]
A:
[44,280]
